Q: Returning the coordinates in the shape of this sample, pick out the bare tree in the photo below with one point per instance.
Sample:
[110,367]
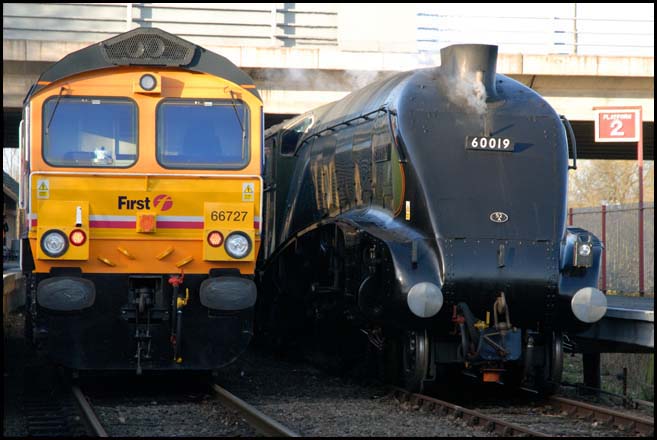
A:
[11,163]
[598,182]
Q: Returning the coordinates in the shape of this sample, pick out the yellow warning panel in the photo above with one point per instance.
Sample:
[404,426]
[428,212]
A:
[248,191]
[43,189]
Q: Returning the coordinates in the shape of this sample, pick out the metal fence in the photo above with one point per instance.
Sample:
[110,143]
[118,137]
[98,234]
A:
[617,227]
[211,24]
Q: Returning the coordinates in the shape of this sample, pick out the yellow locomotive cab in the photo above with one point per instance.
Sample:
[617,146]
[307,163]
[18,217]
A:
[141,185]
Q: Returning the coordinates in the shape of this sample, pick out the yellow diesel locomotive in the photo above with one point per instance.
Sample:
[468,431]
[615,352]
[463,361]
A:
[141,206]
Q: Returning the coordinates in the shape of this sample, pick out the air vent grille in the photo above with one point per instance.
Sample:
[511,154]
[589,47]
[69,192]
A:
[148,47]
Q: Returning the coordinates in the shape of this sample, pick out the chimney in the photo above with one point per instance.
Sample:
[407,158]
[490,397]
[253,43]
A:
[478,61]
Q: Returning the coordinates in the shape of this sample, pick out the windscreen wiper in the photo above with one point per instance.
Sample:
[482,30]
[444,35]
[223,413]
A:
[232,100]
[52,115]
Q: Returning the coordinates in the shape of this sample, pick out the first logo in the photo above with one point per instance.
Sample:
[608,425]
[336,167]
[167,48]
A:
[165,200]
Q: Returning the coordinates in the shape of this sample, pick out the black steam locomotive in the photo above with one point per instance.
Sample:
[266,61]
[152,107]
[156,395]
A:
[425,217]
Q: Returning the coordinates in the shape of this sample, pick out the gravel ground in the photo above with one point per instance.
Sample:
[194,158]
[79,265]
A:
[207,418]
[315,404]
[300,396]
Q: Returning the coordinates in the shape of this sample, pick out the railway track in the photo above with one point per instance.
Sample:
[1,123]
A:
[258,420]
[474,418]
[151,406]
[624,422]
[94,426]
[593,415]
[60,413]
[184,408]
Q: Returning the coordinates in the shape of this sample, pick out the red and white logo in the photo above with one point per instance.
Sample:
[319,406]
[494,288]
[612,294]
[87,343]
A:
[165,200]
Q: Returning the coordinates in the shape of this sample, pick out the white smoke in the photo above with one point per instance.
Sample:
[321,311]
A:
[361,78]
[318,80]
[468,89]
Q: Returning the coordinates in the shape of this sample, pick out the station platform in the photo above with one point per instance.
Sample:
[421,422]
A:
[13,294]
[627,327]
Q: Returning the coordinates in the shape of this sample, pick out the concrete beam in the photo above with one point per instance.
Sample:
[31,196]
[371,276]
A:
[294,80]
[296,90]
[333,58]
[575,96]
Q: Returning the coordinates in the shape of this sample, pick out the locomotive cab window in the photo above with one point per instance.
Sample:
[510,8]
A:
[89,132]
[195,134]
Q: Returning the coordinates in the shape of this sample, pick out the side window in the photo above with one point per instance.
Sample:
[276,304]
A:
[382,178]
[292,135]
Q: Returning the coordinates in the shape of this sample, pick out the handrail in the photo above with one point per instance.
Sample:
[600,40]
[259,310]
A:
[573,141]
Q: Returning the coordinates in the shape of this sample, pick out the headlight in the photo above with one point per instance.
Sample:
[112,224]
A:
[584,250]
[147,82]
[238,245]
[54,243]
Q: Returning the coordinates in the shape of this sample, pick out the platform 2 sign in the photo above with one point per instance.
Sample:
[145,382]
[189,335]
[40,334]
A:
[616,125]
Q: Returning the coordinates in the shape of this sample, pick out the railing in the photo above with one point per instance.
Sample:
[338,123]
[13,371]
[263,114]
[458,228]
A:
[531,28]
[617,226]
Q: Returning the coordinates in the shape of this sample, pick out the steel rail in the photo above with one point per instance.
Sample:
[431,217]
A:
[90,417]
[474,418]
[261,422]
[625,422]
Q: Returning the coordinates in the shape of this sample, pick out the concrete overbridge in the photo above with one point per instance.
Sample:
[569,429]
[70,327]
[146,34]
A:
[305,55]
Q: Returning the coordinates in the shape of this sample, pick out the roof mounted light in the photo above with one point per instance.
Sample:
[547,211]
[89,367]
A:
[147,82]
